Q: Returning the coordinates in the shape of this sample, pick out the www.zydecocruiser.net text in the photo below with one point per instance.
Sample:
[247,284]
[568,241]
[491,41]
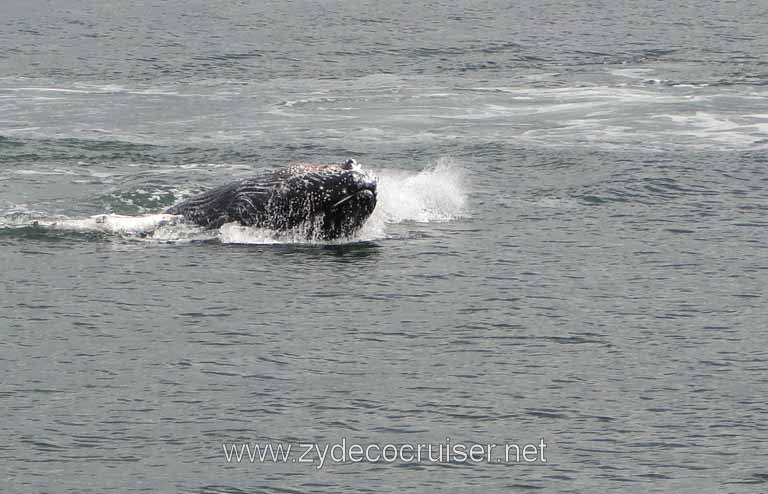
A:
[344,452]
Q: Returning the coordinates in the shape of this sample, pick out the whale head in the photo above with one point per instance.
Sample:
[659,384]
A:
[339,197]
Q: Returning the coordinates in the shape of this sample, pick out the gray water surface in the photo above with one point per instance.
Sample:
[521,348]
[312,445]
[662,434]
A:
[569,244]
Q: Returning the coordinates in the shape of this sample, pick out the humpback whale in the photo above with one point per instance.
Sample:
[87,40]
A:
[324,201]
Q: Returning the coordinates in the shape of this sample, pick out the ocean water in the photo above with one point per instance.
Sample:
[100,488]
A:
[569,246]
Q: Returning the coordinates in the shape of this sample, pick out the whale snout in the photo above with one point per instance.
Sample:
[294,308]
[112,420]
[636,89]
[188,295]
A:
[360,186]
[366,199]
[366,194]
[371,185]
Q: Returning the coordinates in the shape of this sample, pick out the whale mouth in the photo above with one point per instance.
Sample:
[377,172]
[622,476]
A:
[343,200]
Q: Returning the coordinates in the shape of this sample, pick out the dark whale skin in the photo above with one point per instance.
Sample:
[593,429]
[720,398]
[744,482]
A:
[324,201]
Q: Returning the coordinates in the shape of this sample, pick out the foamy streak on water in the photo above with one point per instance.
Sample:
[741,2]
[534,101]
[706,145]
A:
[436,194]
[112,223]
[152,227]
[233,233]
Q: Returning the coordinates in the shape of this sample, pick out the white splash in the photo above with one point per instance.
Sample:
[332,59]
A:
[435,194]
